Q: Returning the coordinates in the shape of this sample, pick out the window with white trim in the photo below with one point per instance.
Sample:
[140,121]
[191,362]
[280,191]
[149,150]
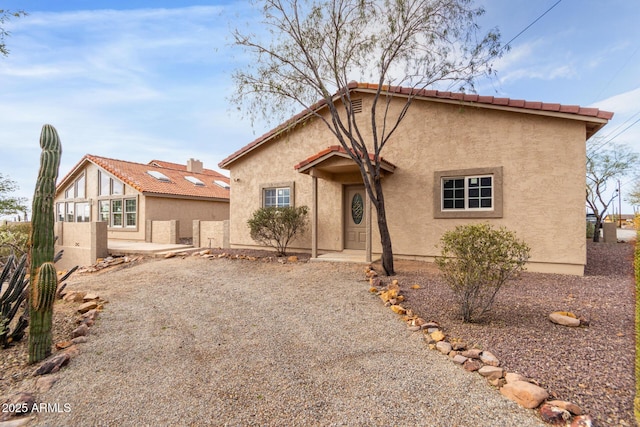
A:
[467,193]
[278,197]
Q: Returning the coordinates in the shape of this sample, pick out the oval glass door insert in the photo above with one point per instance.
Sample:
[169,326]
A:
[357,208]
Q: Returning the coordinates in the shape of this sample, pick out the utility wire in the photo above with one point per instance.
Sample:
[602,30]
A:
[530,25]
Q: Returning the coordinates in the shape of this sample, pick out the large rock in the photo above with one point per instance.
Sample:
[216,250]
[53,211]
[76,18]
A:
[561,318]
[89,305]
[443,347]
[472,365]
[53,364]
[491,372]
[437,335]
[524,394]
[554,415]
[489,359]
[473,353]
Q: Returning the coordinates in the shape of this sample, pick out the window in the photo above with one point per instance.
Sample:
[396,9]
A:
[83,212]
[116,213]
[277,197]
[194,181]
[108,186]
[130,210]
[103,210]
[465,193]
[79,188]
[60,212]
[69,216]
[279,194]
[468,193]
[159,176]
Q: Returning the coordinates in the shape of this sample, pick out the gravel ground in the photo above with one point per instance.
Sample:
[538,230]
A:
[590,366]
[241,343]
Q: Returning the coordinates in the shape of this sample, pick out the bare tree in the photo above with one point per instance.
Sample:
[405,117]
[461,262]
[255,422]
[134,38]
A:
[315,48]
[603,166]
[5,16]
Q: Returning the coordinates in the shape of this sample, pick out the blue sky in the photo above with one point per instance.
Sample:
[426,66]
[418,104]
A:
[142,80]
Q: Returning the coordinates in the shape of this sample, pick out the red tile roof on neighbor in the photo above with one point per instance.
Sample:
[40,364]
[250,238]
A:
[596,118]
[136,175]
[337,150]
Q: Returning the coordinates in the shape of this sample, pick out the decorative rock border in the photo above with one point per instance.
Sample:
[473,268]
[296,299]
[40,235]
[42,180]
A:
[524,391]
[25,403]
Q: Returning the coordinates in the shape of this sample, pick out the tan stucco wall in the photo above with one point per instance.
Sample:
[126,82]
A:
[82,243]
[184,211]
[542,159]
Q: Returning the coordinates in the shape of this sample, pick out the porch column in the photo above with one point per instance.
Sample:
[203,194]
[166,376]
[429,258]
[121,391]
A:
[367,216]
[314,216]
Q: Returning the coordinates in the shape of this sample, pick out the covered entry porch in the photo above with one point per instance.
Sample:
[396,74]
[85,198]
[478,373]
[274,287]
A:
[336,165]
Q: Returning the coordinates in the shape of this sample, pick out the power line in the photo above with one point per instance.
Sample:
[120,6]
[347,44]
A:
[530,25]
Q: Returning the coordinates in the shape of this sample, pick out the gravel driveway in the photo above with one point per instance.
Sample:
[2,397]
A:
[240,343]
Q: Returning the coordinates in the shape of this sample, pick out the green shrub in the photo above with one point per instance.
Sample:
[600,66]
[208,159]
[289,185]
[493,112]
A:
[14,238]
[276,227]
[591,229]
[476,261]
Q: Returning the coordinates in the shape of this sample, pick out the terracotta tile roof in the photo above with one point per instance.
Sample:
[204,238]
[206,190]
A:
[337,149]
[594,117]
[136,176]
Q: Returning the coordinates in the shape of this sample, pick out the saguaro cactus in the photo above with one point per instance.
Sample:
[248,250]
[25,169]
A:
[41,250]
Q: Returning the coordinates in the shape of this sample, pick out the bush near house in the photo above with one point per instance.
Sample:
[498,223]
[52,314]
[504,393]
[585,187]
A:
[476,261]
[276,227]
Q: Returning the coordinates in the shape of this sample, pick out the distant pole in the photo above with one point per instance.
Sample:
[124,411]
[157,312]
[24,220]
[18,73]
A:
[619,205]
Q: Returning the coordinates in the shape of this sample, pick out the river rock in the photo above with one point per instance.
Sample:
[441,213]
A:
[564,320]
[443,347]
[525,394]
[489,359]
[491,372]
[554,415]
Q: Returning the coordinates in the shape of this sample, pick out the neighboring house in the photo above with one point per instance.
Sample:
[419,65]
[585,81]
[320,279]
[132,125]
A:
[128,196]
[626,218]
[456,158]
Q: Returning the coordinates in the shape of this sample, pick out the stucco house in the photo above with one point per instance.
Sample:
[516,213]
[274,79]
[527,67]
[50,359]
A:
[129,196]
[456,158]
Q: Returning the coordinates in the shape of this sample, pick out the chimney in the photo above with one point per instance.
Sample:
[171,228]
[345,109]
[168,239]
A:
[194,166]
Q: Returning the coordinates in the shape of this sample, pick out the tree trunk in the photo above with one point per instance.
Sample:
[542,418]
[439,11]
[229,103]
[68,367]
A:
[385,237]
[596,233]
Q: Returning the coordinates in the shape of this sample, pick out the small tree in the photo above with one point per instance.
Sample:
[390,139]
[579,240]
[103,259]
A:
[476,262]
[10,205]
[603,166]
[276,227]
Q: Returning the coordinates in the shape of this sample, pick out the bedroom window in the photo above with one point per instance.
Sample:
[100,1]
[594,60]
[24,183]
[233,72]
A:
[277,197]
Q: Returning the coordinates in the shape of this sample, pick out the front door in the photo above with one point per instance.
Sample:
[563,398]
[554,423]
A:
[355,234]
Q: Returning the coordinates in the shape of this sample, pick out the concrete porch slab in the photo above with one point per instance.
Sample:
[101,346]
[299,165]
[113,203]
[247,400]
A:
[131,247]
[347,255]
